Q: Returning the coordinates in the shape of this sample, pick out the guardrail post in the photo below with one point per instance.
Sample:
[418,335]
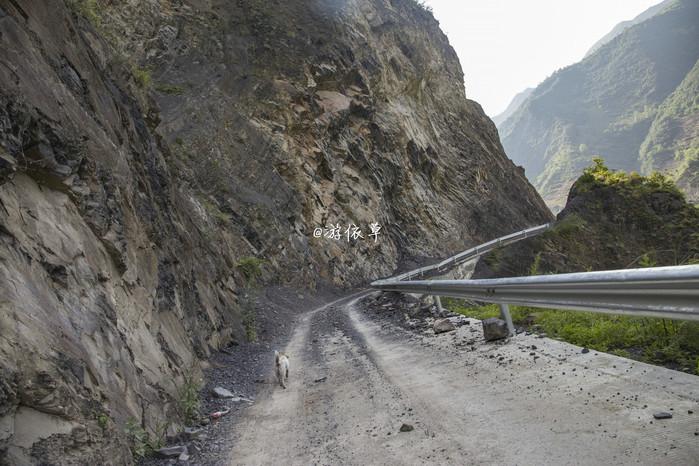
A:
[505,314]
[439,304]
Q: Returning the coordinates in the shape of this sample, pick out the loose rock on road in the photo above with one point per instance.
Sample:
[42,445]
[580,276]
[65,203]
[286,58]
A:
[358,379]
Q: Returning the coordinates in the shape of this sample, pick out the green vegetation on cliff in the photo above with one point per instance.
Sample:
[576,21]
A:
[672,143]
[612,220]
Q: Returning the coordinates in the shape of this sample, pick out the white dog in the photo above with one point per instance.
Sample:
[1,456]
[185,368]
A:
[281,362]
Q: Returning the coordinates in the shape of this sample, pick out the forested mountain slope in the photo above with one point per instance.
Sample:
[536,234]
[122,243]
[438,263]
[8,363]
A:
[633,102]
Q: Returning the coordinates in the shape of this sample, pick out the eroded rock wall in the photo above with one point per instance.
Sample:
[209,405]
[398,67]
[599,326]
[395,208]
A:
[147,147]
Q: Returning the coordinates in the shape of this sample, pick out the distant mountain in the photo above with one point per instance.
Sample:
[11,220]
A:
[516,101]
[626,221]
[624,25]
[672,143]
[633,102]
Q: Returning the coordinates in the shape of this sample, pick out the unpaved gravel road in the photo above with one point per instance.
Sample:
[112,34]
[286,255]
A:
[356,376]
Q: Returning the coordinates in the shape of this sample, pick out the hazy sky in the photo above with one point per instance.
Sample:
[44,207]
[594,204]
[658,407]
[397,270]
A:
[508,45]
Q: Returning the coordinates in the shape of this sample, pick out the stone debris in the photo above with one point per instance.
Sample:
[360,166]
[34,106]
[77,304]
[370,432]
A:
[585,351]
[193,433]
[443,326]
[406,427]
[174,451]
[459,320]
[321,379]
[220,392]
[494,329]
[662,415]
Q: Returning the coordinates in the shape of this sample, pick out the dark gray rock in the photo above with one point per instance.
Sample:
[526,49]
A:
[221,392]
[406,428]
[8,166]
[494,329]
[662,415]
[193,433]
[172,452]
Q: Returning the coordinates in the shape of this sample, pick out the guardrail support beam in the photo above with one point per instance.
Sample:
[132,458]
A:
[439,304]
[505,314]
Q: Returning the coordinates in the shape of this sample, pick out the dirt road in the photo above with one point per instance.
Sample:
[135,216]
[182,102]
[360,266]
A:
[356,378]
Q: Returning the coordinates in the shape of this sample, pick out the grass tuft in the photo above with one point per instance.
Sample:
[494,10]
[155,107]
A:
[251,268]
[188,398]
[141,442]
[142,77]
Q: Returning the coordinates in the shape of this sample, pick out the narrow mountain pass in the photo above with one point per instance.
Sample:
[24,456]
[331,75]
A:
[365,390]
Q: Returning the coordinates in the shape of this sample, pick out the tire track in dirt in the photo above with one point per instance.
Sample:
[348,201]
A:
[355,379]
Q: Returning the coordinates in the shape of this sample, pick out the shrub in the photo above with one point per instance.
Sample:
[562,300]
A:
[141,442]
[88,9]
[600,175]
[142,77]
[251,268]
[494,257]
[103,421]
[213,210]
[534,268]
[188,399]
[422,5]
[569,225]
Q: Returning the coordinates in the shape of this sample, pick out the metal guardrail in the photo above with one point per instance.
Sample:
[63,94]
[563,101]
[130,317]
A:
[670,292]
[472,252]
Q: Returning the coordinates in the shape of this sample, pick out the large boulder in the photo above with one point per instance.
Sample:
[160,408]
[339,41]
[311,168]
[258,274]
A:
[494,329]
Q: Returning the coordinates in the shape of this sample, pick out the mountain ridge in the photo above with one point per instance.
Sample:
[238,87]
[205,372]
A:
[621,27]
[512,107]
[603,105]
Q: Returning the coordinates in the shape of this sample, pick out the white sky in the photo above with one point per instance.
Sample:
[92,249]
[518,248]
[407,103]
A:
[506,46]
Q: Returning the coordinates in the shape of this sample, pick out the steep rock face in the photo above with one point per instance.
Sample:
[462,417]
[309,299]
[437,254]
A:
[356,114]
[610,104]
[147,147]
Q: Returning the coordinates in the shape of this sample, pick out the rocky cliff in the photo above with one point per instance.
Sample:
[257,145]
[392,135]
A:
[632,101]
[612,220]
[150,149]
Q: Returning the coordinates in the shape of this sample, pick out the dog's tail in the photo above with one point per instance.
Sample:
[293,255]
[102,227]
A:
[276,356]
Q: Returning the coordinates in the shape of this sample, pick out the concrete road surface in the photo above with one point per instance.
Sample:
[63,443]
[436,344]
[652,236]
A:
[357,378]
